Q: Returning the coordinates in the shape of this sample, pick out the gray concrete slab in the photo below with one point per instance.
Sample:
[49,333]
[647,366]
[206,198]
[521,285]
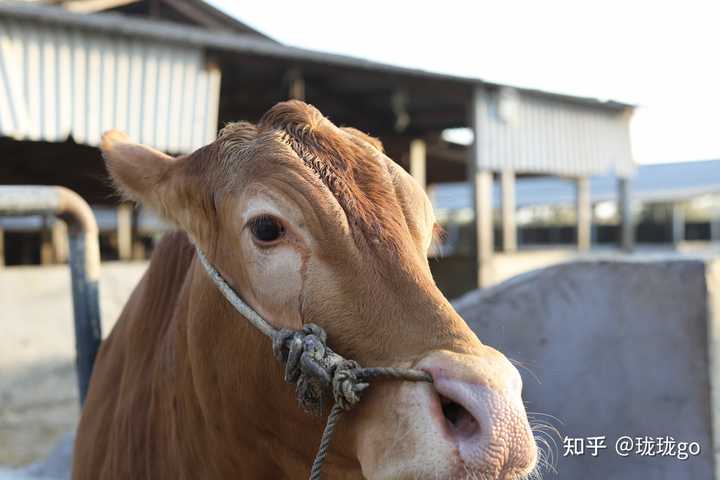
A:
[610,349]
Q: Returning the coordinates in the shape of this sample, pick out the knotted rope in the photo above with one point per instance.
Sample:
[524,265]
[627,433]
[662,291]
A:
[320,375]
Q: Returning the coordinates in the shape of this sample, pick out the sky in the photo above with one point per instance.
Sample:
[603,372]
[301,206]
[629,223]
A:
[662,56]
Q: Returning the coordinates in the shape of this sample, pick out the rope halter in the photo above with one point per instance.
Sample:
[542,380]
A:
[319,374]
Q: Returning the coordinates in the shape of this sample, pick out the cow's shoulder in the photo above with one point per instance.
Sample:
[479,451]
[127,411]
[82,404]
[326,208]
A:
[127,367]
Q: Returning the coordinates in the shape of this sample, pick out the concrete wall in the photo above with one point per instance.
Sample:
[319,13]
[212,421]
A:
[613,349]
[455,275]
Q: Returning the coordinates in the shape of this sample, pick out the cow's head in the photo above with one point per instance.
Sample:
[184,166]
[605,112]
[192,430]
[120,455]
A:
[313,223]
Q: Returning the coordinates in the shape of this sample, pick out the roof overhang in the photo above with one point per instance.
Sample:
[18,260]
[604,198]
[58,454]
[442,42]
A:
[250,44]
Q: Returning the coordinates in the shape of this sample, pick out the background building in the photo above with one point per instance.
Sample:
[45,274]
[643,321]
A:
[675,207]
[170,72]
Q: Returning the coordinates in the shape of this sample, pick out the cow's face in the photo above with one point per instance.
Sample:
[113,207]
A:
[314,224]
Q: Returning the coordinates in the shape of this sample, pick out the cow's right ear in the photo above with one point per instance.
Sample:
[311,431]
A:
[139,172]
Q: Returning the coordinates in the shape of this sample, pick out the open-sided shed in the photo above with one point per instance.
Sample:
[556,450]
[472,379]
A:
[171,71]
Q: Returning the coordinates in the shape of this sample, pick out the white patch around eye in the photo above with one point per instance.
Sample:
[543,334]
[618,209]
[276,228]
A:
[275,273]
[259,206]
[276,279]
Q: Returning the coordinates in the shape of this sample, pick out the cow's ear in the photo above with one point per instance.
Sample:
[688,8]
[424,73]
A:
[141,173]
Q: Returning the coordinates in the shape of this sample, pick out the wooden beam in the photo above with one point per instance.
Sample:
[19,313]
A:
[198,13]
[91,6]
[625,208]
[509,228]
[583,210]
[418,161]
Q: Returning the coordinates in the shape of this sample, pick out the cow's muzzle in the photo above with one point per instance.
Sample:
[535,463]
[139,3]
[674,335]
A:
[479,407]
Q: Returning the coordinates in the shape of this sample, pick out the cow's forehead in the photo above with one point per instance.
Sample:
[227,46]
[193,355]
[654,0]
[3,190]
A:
[350,164]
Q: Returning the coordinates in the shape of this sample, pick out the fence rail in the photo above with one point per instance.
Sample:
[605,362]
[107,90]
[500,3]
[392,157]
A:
[84,261]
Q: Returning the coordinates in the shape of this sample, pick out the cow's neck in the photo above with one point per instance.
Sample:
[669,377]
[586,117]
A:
[228,391]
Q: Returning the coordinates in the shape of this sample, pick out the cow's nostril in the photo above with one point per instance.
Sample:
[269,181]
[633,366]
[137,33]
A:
[460,422]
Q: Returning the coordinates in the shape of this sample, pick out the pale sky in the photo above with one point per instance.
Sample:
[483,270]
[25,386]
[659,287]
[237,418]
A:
[663,56]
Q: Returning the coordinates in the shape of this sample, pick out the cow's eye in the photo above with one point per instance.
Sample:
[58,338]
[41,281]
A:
[266,229]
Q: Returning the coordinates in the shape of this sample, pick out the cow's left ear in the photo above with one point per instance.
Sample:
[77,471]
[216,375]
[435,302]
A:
[146,175]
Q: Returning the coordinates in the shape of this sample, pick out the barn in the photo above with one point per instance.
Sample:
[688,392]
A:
[171,72]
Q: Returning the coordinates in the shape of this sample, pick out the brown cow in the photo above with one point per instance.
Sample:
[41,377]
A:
[310,223]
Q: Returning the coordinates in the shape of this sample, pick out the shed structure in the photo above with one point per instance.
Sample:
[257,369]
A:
[170,72]
[526,132]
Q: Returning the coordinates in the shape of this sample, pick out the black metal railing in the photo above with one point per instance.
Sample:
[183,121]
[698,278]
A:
[84,261]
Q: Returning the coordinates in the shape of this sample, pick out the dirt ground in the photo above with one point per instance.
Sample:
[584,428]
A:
[38,387]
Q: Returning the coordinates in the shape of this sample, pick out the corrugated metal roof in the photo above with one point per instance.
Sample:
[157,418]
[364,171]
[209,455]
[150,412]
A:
[651,184]
[248,44]
[533,134]
[57,81]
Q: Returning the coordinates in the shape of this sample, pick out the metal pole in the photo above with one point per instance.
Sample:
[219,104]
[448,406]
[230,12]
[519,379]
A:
[84,261]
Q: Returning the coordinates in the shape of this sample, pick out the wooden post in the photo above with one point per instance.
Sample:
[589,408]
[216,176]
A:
[584,214]
[481,180]
[509,229]
[715,224]
[124,231]
[678,224]
[418,161]
[296,90]
[627,223]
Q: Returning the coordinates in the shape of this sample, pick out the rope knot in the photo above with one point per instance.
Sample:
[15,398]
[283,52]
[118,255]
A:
[347,386]
[319,374]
